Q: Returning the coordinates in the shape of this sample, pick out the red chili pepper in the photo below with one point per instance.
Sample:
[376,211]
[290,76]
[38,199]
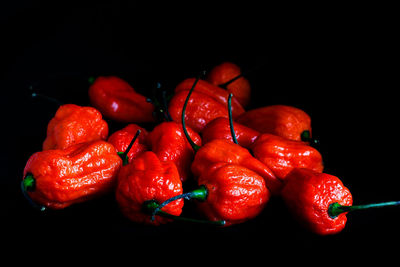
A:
[207,103]
[117,100]
[286,121]
[320,201]
[229,76]
[73,124]
[122,138]
[167,140]
[144,180]
[219,128]
[282,155]
[228,193]
[59,178]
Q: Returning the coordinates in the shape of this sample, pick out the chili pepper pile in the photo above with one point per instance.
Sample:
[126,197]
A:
[237,158]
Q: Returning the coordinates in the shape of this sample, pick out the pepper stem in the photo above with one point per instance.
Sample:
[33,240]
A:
[231,119]
[151,205]
[224,85]
[124,155]
[28,184]
[199,194]
[194,146]
[335,209]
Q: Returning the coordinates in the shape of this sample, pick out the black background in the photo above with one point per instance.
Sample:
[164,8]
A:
[338,63]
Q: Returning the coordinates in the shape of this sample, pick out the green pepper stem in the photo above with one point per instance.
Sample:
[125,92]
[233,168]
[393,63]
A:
[231,119]
[28,184]
[224,85]
[335,209]
[152,207]
[45,97]
[199,194]
[124,155]
[91,79]
[194,146]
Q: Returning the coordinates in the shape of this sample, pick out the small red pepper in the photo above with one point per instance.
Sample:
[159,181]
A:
[167,140]
[219,128]
[207,103]
[122,138]
[73,124]
[147,181]
[59,178]
[116,99]
[228,193]
[286,121]
[282,155]
[228,72]
[320,201]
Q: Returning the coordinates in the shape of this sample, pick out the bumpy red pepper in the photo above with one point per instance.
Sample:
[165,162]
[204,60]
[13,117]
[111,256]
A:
[147,181]
[207,103]
[320,201]
[282,155]
[116,99]
[229,76]
[167,140]
[122,138]
[73,124]
[286,121]
[59,178]
[219,128]
[228,193]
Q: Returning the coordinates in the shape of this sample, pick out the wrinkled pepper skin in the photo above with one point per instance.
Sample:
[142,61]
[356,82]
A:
[235,193]
[122,138]
[147,178]
[116,99]
[286,121]
[219,128]
[225,72]
[73,175]
[207,102]
[282,155]
[73,124]
[308,195]
[224,151]
[168,141]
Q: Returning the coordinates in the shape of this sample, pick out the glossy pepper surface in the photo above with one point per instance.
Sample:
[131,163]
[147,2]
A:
[116,99]
[60,178]
[286,121]
[234,193]
[147,179]
[282,155]
[168,141]
[122,138]
[224,73]
[207,102]
[219,128]
[224,151]
[73,124]
[309,194]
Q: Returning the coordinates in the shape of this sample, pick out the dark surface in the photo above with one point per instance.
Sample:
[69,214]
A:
[338,64]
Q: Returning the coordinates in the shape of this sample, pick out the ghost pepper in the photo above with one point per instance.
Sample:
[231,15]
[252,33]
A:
[282,155]
[228,192]
[282,120]
[320,201]
[73,124]
[167,140]
[59,178]
[208,102]
[123,137]
[229,76]
[116,99]
[144,180]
